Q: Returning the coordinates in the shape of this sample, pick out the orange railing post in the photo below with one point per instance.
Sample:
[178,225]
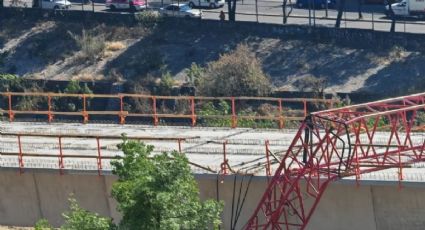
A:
[49,107]
[234,118]
[281,122]
[61,165]
[225,161]
[305,108]
[155,116]
[180,145]
[121,115]
[192,108]
[85,114]
[268,169]
[99,158]
[11,114]
[20,156]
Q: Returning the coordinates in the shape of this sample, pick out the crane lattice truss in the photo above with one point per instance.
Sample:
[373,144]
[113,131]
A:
[336,143]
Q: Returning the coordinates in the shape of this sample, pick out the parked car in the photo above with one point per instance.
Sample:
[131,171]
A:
[133,5]
[180,10]
[206,3]
[317,4]
[407,8]
[55,4]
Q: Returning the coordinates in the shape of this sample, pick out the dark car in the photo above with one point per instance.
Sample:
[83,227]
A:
[317,4]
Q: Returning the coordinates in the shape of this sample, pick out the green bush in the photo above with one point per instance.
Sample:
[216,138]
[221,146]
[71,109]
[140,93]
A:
[237,73]
[147,18]
[43,224]
[223,108]
[11,83]
[91,46]
[72,104]
[78,218]
[165,85]
[81,219]
[194,74]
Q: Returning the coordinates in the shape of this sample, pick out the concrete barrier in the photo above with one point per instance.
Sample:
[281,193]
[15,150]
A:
[26,198]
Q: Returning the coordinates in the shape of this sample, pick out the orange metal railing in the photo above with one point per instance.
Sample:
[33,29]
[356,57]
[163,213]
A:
[61,155]
[192,107]
[62,151]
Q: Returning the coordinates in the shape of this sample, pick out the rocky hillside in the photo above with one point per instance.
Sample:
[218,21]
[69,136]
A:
[60,50]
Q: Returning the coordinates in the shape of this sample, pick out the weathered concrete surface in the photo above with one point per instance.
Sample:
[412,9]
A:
[33,195]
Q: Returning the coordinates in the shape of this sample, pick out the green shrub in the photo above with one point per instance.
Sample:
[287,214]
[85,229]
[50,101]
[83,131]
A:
[165,85]
[147,18]
[81,219]
[73,104]
[11,82]
[194,74]
[237,73]
[43,224]
[91,46]
[78,218]
[223,108]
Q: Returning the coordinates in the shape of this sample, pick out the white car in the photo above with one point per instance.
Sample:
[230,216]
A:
[206,3]
[55,4]
[180,10]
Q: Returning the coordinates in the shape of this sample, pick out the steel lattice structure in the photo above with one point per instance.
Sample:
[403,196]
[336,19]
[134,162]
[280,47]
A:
[336,143]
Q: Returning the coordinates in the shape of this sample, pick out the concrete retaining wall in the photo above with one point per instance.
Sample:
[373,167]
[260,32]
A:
[28,197]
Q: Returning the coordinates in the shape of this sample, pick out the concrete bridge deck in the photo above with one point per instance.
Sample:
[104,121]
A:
[245,148]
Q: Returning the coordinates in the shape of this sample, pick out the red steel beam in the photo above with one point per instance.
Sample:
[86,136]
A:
[338,143]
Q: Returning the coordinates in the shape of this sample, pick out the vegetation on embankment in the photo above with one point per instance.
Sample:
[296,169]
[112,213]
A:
[146,52]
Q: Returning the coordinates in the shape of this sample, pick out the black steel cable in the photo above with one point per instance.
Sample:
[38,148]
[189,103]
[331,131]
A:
[243,200]
[237,204]
[233,201]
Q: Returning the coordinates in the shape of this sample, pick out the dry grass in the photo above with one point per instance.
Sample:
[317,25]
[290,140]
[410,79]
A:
[115,46]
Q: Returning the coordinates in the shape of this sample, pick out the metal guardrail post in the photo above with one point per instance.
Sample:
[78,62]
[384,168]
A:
[180,145]
[225,161]
[49,107]
[122,116]
[268,169]
[305,108]
[192,108]
[99,157]
[155,116]
[85,114]
[281,122]
[234,118]
[11,114]
[256,9]
[61,165]
[400,169]
[20,156]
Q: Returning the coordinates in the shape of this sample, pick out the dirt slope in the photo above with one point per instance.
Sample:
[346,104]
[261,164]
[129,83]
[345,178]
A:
[46,50]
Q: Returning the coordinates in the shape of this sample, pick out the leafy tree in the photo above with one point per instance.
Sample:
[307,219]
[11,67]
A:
[159,192]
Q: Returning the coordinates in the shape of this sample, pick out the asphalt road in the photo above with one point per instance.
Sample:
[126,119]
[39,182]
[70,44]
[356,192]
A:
[270,11]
